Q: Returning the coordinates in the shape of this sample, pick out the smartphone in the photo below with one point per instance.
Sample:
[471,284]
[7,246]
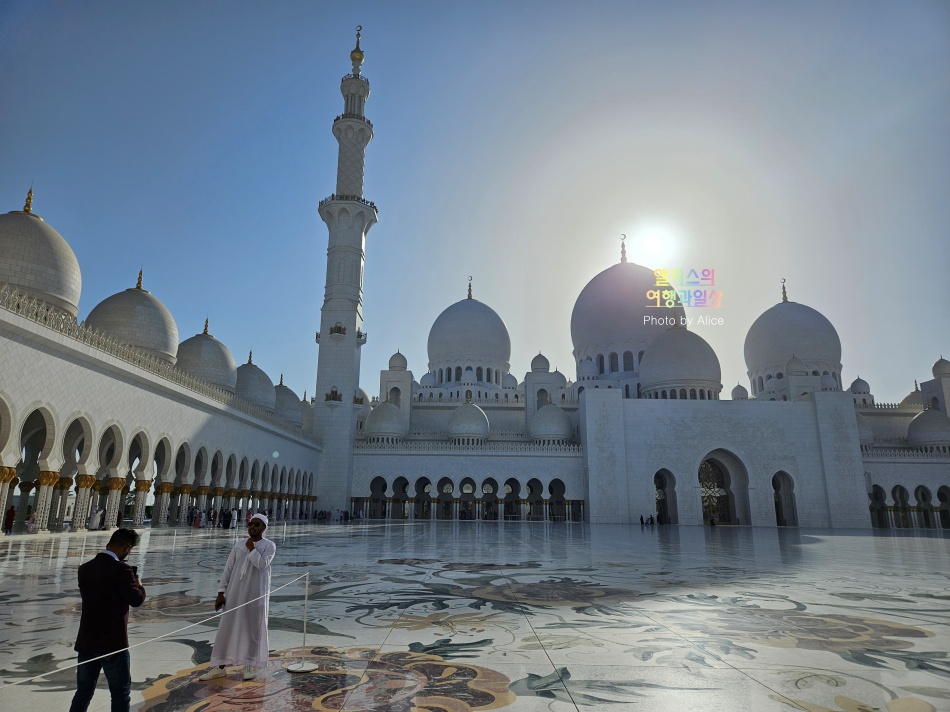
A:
[135,570]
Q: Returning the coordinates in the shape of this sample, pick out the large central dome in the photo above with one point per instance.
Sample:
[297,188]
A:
[469,330]
[612,307]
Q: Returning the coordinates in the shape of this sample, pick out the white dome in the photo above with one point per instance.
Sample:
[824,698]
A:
[204,357]
[915,397]
[427,381]
[551,423]
[790,328]
[255,386]
[860,387]
[612,306]
[509,381]
[941,368]
[931,427]
[138,319]
[678,357]
[865,432]
[397,362]
[38,261]
[468,330]
[740,393]
[828,383]
[386,421]
[587,369]
[287,404]
[364,409]
[540,363]
[795,367]
[771,384]
[559,378]
[468,421]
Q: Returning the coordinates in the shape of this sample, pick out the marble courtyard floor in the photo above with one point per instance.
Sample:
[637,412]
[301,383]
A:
[459,616]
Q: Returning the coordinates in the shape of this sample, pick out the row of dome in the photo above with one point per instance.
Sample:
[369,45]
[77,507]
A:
[39,262]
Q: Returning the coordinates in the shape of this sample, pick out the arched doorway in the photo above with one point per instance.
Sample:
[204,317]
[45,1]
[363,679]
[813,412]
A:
[446,489]
[924,507]
[489,500]
[467,499]
[902,516]
[786,513]
[535,500]
[665,485]
[712,485]
[512,491]
[423,498]
[557,506]
[377,498]
[400,505]
[878,508]
[943,512]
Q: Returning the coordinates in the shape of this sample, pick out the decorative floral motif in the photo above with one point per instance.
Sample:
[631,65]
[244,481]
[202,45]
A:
[846,704]
[447,623]
[358,677]
[551,593]
[156,609]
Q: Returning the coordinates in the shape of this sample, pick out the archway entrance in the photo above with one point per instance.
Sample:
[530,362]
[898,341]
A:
[943,496]
[878,508]
[665,485]
[557,505]
[786,514]
[489,500]
[712,485]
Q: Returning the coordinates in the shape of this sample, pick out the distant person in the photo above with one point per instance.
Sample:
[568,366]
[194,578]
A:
[8,520]
[108,587]
[242,635]
[641,520]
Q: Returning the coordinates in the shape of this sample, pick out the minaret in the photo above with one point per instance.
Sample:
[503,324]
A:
[348,216]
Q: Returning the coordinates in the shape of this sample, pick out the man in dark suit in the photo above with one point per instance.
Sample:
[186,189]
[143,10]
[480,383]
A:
[108,587]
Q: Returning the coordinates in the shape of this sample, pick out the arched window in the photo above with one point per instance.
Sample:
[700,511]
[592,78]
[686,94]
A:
[692,394]
[663,394]
[600,363]
[760,382]
[627,361]
[702,394]
[614,363]
[478,373]
[626,390]
[448,375]
[682,394]
[440,375]
[458,373]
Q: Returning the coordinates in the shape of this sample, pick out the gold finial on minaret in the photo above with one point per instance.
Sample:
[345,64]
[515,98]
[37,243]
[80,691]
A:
[623,248]
[281,380]
[356,56]
[28,206]
[304,399]
[250,355]
[138,284]
[784,293]
[469,287]
[916,387]
[205,332]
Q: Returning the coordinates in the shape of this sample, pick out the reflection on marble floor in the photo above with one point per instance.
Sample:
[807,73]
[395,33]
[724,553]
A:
[458,616]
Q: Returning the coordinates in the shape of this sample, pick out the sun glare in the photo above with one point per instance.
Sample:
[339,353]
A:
[654,244]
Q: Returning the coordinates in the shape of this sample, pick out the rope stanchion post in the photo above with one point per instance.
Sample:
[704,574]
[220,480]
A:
[304,666]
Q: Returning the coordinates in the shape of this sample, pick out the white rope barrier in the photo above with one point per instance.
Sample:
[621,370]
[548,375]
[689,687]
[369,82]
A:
[176,632]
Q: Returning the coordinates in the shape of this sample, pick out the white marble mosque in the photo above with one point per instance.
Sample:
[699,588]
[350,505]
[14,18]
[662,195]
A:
[111,416]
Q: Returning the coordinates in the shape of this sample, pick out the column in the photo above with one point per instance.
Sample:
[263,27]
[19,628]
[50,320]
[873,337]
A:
[160,508]
[23,504]
[62,500]
[202,504]
[115,487]
[255,502]
[501,509]
[184,507]
[219,501]
[141,493]
[84,485]
[245,503]
[7,474]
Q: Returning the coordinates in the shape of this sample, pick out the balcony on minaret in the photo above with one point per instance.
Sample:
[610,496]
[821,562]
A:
[355,198]
[334,396]
[358,117]
[360,337]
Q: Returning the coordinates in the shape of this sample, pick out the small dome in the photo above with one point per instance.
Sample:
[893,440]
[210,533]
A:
[587,369]
[38,261]
[540,363]
[828,383]
[740,393]
[772,384]
[930,427]
[551,423]
[865,432]
[790,328]
[941,368]
[363,409]
[207,359]
[860,387]
[135,317]
[287,404]
[679,357]
[428,381]
[795,367]
[386,421]
[509,381]
[255,386]
[559,378]
[397,362]
[468,330]
[468,421]
[915,397]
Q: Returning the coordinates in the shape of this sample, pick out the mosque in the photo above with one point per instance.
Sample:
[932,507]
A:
[111,415]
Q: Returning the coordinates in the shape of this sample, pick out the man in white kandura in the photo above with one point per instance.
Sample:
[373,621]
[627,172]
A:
[242,632]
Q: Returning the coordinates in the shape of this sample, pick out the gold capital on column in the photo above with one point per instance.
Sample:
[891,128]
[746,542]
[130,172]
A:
[47,478]
[116,483]
[7,474]
[64,483]
[186,489]
[245,493]
[203,489]
[165,488]
[142,485]
[85,481]
[218,491]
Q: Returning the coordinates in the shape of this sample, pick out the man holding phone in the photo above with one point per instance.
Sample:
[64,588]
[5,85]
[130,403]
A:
[108,587]
[244,594]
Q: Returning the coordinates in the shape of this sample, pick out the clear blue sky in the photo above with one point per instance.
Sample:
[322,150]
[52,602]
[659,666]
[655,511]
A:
[514,142]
